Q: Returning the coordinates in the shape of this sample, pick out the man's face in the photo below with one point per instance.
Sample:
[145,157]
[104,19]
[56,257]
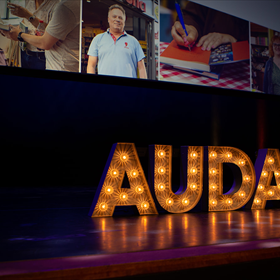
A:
[116,20]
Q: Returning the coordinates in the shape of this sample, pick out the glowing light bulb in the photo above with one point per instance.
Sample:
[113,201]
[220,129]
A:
[242,194]
[161,154]
[213,171]
[161,187]
[213,155]
[213,187]
[229,201]
[277,173]
[123,196]
[260,187]
[193,170]
[139,189]
[270,193]
[194,155]
[134,173]
[241,162]
[193,187]
[257,201]
[109,190]
[114,173]
[103,206]
[185,201]
[247,178]
[270,160]
[161,170]
[169,201]
[213,202]
[264,173]
[124,157]
[145,205]
[228,155]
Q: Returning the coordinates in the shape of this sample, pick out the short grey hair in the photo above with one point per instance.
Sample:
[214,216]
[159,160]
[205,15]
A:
[116,6]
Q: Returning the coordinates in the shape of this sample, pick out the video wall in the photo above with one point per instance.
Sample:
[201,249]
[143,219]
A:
[225,46]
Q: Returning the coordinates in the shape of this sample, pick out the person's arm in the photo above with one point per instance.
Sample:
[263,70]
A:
[21,12]
[142,69]
[92,62]
[44,42]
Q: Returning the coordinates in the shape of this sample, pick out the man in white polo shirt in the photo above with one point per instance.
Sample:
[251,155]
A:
[116,52]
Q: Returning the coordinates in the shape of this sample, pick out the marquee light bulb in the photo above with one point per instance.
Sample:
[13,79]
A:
[161,170]
[213,171]
[169,201]
[193,170]
[124,157]
[229,201]
[145,205]
[270,160]
[134,173]
[193,186]
[114,173]
[194,155]
[264,173]
[139,189]
[213,187]
[213,202]
[185,201]
[161,154]
[161,187]
[247,178]
[109,190]
[123,196]
[103,206]
[257,201]
[242,194]
[277,173]
[241,162]
[270,193]
[260,187]
[228,155]
[213,155]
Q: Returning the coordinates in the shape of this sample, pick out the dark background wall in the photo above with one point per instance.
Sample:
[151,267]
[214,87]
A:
[58,128]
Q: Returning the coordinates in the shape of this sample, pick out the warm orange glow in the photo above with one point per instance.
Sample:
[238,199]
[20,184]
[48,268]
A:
[169,201]
[193,187]
[114,173]
[161,154]
[194,155]
[257,201]
[103,206]
[270,160]
[134,173]
[139,189]
[264,173]
[213,171]
[161,170]
[185,201]
[213,187]
[241,162]
[213,155]
[277,173]
[260,187]
[193,170]
[228,155]
[213,202]
[270,192]
[124,157]
[161,187]
[123,196]
[109,190]
[145,205]
[247,178]
[242,194]
[229,201]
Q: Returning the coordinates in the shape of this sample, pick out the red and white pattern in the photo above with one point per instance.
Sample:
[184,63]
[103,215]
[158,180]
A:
[234,75]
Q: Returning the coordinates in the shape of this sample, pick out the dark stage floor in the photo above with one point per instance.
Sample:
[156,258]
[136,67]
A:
[50,226]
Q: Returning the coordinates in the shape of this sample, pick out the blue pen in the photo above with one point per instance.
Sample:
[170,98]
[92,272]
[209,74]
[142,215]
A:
[180,15]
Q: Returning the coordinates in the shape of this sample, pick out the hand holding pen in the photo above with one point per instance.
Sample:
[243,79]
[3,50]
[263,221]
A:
[184,35]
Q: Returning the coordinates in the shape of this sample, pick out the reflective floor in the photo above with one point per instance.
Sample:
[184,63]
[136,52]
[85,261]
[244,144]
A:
[49,222]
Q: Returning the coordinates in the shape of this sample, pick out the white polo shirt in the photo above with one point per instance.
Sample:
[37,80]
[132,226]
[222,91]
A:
[116,57]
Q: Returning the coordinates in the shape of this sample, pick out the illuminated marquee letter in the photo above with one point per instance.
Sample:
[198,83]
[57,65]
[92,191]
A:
[189,194]
[241,191]
[267,164]
[123,159]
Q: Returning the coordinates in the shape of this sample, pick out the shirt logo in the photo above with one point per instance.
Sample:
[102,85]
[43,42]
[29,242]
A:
[125,45]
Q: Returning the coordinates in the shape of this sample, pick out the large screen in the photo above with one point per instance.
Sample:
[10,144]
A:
[224,44]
